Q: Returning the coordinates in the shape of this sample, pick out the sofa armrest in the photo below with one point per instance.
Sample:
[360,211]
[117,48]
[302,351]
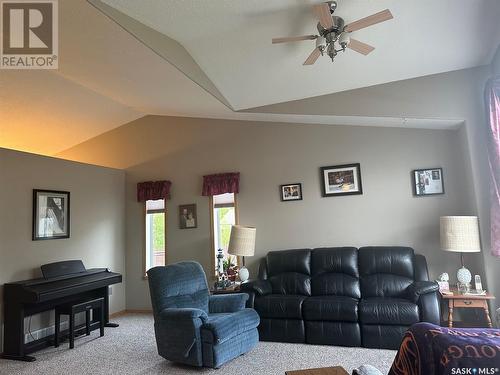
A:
[419,288]
[227,303]
[172,314]
[259,287]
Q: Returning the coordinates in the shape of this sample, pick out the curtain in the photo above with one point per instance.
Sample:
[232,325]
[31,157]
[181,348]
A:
[153,190]
[492,96]
[221,183]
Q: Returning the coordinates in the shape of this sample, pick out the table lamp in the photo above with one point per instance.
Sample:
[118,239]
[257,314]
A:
[460,234]
[242,243]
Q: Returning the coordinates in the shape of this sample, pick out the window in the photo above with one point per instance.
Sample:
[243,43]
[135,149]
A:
[223,214]
[155,233]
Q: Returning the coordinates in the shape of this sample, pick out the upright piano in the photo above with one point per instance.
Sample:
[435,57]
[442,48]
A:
[62,282]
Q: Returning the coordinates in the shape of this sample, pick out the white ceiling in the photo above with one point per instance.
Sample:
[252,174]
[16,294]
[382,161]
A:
[107,77]
[231,41]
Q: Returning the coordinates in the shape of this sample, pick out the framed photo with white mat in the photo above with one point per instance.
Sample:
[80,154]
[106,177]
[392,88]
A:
[341,180]
[428,182]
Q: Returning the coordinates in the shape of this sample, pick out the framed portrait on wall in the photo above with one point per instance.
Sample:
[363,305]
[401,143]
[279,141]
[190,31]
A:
[341,180]
[291,192]
[187,216]
[51,215]
[428,182]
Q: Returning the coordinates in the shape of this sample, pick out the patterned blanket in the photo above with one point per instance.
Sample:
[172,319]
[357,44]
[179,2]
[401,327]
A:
[428,349]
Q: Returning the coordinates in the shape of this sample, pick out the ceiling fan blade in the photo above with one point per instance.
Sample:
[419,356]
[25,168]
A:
[294,39]
[382,16]
[312,57]
[322,13]
[360,47]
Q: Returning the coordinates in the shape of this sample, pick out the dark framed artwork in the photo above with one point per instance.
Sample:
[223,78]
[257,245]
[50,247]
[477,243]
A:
[427,182]
[51,214]
[339,180]
[291,192]
[187,216]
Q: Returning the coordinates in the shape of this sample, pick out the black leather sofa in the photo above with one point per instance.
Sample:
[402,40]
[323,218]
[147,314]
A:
[342,295]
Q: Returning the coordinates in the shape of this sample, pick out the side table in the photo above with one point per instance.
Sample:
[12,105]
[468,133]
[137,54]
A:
[232,289]
[457,300]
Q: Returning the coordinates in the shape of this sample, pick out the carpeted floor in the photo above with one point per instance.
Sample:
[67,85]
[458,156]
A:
[131,349]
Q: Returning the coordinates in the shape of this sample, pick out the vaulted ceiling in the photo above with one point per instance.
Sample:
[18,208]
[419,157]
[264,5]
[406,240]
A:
[231,42]
[122,59]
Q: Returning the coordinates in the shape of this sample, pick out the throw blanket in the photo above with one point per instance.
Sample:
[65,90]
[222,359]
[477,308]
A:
[428,349]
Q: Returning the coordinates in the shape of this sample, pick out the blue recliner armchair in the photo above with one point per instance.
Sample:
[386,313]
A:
[194,327]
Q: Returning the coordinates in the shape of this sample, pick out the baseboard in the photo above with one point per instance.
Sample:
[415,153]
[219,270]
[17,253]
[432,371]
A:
[129,311]
[118,313]
[139,311]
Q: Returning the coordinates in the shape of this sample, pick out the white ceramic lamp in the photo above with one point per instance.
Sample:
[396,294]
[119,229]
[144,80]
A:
[242,243]
[460,234]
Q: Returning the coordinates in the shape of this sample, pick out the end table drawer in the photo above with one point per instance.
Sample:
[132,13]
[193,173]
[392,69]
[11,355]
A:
[468,303]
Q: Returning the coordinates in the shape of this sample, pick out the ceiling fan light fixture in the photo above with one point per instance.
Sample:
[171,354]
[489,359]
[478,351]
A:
[334,33]
[320,41]
[331,51]
[344,40]
[333,6]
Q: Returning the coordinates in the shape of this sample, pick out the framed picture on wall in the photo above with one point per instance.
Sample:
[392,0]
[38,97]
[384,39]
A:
[341,180]
[50,214]
[428,182]
[291,192]
[187,216]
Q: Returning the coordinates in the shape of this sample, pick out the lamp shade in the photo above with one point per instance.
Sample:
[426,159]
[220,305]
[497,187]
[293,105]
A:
[460,234]
[242,241]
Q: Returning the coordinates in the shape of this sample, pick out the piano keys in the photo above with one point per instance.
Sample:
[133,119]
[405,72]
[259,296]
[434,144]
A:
[62,282]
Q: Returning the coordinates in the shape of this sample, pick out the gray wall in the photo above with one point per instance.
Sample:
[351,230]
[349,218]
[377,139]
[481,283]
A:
[458,94]
[97,220]
[270,154]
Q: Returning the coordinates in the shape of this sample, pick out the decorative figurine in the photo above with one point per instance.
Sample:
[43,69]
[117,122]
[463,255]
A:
[220,262]
[444,277]
[222,278]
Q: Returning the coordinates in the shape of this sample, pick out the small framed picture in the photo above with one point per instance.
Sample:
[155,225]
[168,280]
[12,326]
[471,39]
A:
[187,216]
[428,182]
[50,214]
[341,180]
[291,192]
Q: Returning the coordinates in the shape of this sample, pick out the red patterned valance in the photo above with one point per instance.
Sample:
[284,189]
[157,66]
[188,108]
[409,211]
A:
[221,183]
[153,190]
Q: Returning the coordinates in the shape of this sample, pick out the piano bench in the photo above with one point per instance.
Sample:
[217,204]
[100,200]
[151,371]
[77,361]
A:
[73,309]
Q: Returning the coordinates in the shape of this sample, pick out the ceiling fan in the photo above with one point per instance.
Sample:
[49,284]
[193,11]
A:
[334,34]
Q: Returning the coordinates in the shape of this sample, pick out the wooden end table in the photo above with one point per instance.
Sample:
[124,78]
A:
[457,300]
[337,370]
[232,289]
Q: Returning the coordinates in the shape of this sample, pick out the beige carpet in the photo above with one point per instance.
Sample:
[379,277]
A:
[131,349]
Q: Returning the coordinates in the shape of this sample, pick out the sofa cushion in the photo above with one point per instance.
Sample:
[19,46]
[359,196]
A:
[333,333]
[283,261]
[279,306]
[221,327]
[282,330]
[382,336]
[385,271]
[330,308]
[291,283]
[334,271]
[388,311]
[289,271]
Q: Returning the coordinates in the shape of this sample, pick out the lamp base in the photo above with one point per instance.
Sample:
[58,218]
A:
[464,276]
[243,274]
